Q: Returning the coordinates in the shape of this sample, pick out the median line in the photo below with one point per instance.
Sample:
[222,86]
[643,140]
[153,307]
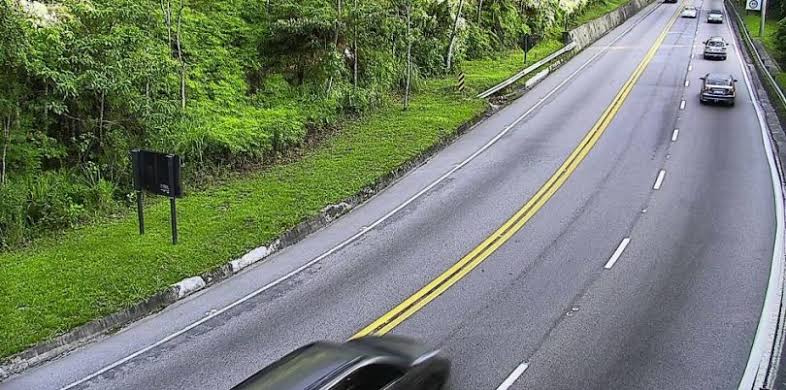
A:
[617,253]
[480,253]
[514,376]
[659,180]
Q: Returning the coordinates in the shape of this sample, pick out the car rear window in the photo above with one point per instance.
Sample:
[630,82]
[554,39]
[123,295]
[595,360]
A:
[715,12]
[718,81]
[302,369]
[714,43]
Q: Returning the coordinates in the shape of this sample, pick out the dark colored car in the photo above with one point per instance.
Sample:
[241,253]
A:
[669,1]
[715,48]
[369,363]
[718,88]
[715,16]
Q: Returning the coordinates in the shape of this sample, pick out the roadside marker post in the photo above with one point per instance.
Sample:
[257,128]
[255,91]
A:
[461,82]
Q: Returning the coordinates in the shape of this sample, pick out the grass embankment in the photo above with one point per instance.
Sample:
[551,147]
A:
[60,283]
[597,10]
[753,24]
[484,74]
[91,272]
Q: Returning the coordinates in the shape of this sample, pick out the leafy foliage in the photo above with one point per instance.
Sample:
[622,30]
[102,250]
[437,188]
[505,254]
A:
[224,83]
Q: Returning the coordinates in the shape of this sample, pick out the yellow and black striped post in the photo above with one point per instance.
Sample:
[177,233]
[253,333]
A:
[460,85]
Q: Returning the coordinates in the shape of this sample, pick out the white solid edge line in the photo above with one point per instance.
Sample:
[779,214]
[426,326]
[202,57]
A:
[682,105]
[364,231]
[617,253]
[674,135]
[513,377]
[659,180]
[765,331]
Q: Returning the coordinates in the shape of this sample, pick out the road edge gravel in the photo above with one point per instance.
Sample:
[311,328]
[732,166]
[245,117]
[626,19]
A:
[96,329]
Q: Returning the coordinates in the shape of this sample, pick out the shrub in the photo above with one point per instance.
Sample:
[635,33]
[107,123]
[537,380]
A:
[241,135]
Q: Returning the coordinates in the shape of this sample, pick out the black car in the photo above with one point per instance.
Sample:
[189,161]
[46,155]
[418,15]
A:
[669,1]
[718,88]
[368,363]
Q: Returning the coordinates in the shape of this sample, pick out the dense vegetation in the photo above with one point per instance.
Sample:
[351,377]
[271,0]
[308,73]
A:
[233,86]
[227,84]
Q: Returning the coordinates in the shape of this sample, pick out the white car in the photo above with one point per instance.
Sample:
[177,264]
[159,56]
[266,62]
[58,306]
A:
[715,16]
[690,12]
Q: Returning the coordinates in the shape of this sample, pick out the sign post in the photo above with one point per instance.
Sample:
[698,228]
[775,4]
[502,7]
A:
[758,5]
[159,174]
[136,156]
[170,159]
[526,47]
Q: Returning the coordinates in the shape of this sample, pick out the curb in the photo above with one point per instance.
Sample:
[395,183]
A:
[93,330]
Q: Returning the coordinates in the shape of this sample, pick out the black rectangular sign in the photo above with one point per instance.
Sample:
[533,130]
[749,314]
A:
[155,172]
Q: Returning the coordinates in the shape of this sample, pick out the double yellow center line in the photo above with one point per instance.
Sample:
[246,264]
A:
[457,271]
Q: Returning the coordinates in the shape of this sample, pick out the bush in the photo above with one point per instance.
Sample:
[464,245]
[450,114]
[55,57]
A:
[51,200]
[479,43]
[239,136]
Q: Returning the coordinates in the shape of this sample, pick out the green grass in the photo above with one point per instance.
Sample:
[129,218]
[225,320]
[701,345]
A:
[63,282]
[780,78]
[94,271]
[597,10]
[485,73]
[753,24]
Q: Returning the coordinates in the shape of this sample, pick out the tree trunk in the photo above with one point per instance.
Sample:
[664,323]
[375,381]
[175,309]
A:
[449,56]
[480,10]
[46,103]
[180,58]
[355,45]
[6,138]
[409,56]
[102,101]
[335,40]
[338,22]
[166,8]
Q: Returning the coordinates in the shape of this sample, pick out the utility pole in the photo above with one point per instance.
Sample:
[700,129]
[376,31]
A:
[763,17]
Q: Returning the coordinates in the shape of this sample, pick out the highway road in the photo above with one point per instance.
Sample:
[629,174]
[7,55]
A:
[603,231]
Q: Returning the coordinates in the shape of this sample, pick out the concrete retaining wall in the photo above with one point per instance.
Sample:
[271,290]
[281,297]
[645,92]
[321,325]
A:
[590,32]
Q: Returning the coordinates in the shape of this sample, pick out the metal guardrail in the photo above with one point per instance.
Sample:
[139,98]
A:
[758,62]
[526,71]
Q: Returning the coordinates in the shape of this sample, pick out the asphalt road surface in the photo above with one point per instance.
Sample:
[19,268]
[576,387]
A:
[690,216]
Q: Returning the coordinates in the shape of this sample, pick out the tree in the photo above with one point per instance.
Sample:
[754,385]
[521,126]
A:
[409,54]
[449,55]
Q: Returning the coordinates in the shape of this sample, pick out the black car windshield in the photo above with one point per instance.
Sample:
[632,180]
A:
[715,12]
[714,43]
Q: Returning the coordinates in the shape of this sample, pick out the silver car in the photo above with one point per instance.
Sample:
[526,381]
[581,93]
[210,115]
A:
[715,48]
[715,16]
[718,88]
[690,12]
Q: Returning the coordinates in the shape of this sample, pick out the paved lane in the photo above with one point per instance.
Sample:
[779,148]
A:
[694,273]
[680,306]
